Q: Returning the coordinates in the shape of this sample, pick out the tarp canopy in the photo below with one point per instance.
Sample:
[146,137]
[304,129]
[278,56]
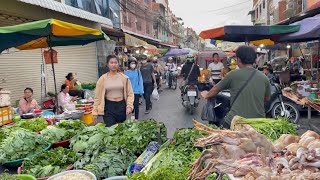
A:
[177,52]
[47,33]
[152,49]
[310,30]
[133,41]
[235,33]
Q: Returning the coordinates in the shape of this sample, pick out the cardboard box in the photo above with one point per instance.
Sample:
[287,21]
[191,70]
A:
[5,115]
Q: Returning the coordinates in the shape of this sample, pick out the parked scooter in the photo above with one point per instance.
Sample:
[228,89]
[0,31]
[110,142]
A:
[278,106]
[190,97]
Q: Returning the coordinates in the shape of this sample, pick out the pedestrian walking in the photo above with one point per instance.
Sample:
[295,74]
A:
[148,77]
[135,77]
[113,95]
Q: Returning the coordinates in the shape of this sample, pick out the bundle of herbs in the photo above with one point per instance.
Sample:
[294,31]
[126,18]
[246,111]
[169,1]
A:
[136,135]
[271,128]
[63,130]
[35,125]
[49,163]
[90,142]
[111,162]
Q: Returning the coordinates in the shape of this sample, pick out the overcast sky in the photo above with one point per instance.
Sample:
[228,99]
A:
[206,14]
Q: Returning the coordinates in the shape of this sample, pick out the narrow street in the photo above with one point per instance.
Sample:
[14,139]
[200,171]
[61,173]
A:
[170,111]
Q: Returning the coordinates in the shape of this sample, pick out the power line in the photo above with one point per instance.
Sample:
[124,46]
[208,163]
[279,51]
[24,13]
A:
[226,7]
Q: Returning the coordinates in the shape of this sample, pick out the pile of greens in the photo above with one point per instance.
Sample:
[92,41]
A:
[35,125]
[173,162]
[49,163]
[89,86]
[136,135]
[112,162]
[63,130]
[271,128]
[20,144]
[90,142]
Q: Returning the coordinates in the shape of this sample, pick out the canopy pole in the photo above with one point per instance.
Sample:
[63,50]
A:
[318,61]
[305,63]
[54,75]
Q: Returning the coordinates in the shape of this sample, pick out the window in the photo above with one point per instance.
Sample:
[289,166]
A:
[260,9]
[264,4]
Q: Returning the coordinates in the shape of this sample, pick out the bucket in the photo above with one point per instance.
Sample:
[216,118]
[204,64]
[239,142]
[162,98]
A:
[87,118]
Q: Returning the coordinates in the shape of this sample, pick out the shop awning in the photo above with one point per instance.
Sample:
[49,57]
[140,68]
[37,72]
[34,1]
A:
[310,30]
[247,33]
[69,10]
[152,49]
[47,33]
[140,35]
[133,41]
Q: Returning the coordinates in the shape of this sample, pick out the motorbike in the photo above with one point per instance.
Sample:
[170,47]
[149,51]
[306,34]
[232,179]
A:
[173,82]
[278,106]
[190,97]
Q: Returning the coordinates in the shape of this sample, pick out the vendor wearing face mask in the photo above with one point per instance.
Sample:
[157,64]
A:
[137,83]
[148,77]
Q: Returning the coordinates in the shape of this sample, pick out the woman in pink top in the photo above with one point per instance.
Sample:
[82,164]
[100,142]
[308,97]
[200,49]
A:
[27,104]
[64,97]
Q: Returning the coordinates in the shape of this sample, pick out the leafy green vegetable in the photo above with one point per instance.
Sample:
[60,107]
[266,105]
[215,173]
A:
[173,162]
[6,176]
[89,86]
[50,162]
[20,144]
[63,130]
[271,128]
[90,142]
[35,125]
[112,162]
[136,135]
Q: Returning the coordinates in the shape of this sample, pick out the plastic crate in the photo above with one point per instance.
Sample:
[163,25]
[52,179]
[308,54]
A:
[5,115]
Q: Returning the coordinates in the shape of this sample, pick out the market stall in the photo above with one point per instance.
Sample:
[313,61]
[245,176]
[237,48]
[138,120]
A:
[47,34]
[139,150]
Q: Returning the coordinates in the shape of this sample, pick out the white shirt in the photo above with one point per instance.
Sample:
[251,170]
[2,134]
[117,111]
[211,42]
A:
[63,99]
[215,70]
[171,66]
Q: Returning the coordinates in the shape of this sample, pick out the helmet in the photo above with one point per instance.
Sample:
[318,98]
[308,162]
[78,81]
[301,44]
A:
[170,58]
[190,58]
[132,59]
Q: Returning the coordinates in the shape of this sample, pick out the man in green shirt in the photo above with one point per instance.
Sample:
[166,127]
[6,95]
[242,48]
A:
[250,101]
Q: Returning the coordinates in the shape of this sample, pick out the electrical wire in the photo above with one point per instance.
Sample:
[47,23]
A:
[226,7]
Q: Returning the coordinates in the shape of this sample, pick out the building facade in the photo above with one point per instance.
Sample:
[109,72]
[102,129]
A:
[268,12]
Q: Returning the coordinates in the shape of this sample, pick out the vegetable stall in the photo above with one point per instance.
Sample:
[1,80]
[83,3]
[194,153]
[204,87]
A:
[139,150]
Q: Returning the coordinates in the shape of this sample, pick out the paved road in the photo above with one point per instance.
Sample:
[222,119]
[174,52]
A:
[170,111]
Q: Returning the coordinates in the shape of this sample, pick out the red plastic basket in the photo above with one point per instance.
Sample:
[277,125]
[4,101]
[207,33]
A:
[64,144]
[48,103]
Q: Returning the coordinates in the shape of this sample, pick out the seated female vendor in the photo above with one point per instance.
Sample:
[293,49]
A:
[27,104]
[71,82]
[64,98]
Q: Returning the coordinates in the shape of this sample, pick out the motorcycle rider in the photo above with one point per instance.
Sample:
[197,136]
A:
[249,88]
[195,73]
[171,67]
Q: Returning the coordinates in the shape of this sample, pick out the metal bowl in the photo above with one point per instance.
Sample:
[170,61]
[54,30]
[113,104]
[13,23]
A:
[77,114]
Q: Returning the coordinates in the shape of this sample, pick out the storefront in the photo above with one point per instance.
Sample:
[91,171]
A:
[21,69]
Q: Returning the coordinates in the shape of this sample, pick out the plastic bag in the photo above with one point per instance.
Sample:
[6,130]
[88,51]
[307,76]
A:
[208,113]
[155,94]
